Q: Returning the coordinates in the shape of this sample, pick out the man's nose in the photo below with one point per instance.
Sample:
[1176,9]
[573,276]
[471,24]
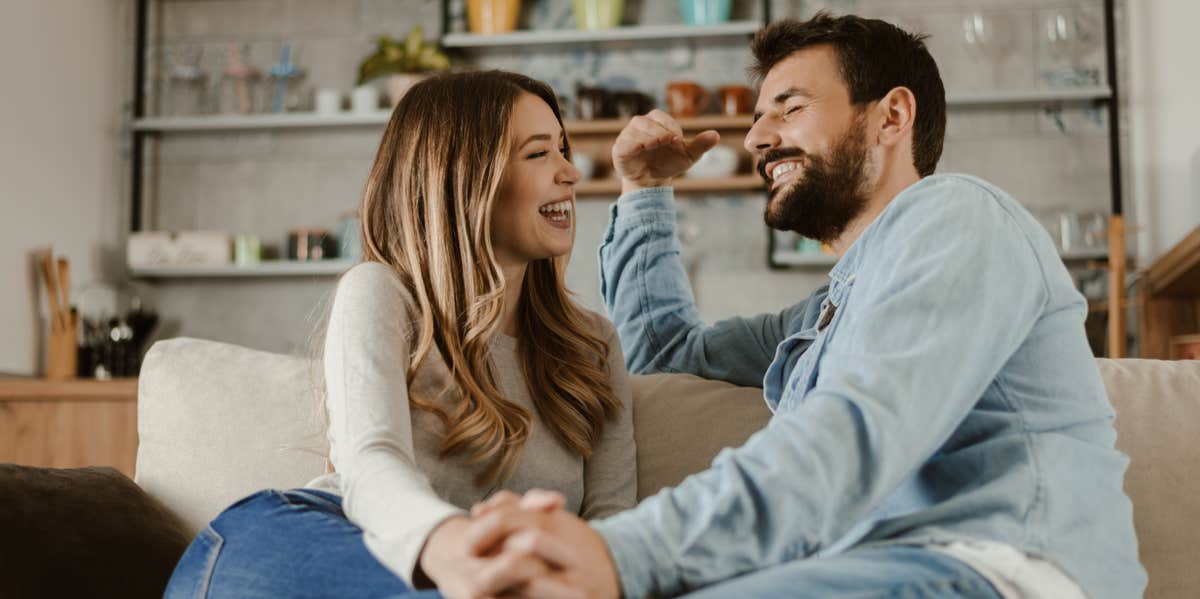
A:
[761,137]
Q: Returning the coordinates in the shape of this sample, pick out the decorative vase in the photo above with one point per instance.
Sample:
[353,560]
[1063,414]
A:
[398,84]
[592,15]
[705,12]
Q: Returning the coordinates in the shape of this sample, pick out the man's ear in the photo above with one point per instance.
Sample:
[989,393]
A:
[897,112]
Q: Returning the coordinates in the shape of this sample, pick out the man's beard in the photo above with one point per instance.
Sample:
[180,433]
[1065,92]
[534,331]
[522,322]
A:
[829,192]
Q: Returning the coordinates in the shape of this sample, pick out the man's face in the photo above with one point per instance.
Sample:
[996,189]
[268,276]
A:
[811,146]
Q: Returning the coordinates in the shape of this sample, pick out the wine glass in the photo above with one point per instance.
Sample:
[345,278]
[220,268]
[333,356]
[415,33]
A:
[1068,34]
[988,38]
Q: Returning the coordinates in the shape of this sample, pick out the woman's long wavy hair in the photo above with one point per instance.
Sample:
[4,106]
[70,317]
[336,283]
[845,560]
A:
[426,212]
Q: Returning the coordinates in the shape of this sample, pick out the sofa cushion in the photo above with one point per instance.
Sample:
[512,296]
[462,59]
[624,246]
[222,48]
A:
[1158,425]
[83,532]
[681,422]
[217,422]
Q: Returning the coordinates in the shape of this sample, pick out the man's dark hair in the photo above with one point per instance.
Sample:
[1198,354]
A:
[874,57]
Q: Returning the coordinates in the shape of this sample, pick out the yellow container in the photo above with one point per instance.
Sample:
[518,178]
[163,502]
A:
[591,15]
[492,16]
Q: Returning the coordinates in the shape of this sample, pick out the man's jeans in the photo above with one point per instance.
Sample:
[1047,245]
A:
[295,544]
[894,572]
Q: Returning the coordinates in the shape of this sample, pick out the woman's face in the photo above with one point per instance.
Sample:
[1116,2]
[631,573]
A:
[533,215]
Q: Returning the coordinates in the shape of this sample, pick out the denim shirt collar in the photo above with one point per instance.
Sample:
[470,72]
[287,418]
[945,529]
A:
[843,272]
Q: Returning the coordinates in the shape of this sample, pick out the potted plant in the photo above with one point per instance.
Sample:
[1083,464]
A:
[404,64]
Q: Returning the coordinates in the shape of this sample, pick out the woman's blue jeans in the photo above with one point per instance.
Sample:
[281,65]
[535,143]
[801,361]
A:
[295,544]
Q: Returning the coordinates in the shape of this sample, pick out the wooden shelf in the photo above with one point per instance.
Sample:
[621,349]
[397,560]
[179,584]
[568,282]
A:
[612,187]
[301,120]
[29,389]
[269,268]
[699,123]
[1169,294]
[541,37]
[790,258]
[1177,272]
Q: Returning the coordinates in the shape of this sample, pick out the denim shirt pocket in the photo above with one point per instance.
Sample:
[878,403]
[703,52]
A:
[789,356]
[808,367]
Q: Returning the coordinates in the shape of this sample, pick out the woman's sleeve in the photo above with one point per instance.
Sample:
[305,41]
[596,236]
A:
[370,425]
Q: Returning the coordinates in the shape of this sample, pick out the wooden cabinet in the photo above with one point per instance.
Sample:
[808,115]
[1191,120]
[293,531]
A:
[1169,295]
[67,424]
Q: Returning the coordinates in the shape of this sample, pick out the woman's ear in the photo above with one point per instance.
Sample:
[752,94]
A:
[897,111]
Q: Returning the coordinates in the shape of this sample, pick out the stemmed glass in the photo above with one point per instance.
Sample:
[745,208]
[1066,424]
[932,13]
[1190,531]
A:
[1068,35]
[988,37]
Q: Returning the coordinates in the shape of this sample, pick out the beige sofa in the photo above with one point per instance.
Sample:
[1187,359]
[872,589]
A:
[217,422]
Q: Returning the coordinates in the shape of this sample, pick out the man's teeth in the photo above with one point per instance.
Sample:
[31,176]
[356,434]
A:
[781,169]
[557,211]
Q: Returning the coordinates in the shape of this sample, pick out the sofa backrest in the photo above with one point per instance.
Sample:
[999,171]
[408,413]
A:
[218,421]
[1158,427]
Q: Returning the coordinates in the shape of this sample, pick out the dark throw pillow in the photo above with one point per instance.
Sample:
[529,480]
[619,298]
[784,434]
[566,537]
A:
[83,532]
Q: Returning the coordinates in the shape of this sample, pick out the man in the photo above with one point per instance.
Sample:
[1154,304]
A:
[940,427]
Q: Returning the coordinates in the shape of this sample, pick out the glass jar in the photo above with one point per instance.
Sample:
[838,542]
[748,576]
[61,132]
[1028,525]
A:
[240,88]
[187,84]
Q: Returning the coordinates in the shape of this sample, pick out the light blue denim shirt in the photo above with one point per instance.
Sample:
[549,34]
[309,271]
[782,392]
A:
[939,388]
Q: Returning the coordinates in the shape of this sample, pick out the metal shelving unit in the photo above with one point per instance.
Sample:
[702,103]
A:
[144,127]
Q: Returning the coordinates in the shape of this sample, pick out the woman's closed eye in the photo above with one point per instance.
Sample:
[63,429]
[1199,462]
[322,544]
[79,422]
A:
[563,150]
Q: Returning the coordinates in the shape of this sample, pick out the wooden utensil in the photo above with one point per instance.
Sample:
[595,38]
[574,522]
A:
[46,263]
[64,290]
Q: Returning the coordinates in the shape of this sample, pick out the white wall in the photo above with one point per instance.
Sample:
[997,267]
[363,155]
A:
[64,65]
[1163,99]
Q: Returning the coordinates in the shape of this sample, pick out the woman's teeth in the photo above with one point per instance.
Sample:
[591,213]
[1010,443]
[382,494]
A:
[557,212]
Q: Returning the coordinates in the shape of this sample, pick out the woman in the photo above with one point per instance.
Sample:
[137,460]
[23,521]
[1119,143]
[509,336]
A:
[456,365]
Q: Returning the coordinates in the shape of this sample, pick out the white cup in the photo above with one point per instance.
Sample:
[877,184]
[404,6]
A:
[585,164]
[364,99]
[329,101]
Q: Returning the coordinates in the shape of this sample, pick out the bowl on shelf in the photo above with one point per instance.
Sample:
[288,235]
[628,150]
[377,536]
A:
[717,163]
[585,164]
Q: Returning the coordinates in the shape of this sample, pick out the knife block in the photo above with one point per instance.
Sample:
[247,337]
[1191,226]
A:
[62,350]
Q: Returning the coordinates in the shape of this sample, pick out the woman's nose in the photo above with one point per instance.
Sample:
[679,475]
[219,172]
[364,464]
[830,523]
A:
[569,173]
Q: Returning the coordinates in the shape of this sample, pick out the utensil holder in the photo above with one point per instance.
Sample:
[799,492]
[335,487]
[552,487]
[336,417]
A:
[62,351]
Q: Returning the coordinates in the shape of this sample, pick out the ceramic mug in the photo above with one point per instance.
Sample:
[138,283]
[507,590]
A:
[585,164]
[328,101]
[735,99]
[492,16]
[686,98]
[364,99]
[628,104]
[592,103]
[719,162]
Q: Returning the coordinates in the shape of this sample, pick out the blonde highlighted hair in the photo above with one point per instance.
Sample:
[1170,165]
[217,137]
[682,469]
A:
[426,213]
